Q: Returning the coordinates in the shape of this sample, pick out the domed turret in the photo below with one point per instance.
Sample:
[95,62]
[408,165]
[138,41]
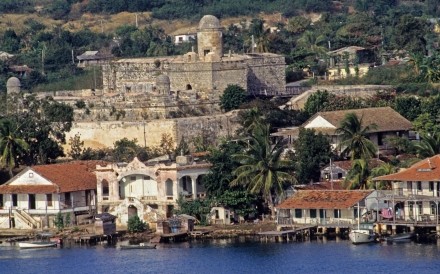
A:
[163,84]
[13,85]
[209,38]
[209,22]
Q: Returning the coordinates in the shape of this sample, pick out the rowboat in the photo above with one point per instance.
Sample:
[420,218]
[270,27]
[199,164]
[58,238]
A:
[138,246]
[36,244]
[403,237]
[42,240]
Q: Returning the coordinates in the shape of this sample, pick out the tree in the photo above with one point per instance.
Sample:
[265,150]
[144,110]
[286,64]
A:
[59,221]
[317,101]
[218,179]
[167,144]
[125,150]
[354,138]
[76,147]
[135,224]
[232,97]
[384,169]
[359,175]
[312,151]
[262,168]
[198,208]
[429,144]
[11,146]
[408,106]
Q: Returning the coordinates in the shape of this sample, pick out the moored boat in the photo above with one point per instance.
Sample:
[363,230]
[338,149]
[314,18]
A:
[36,244]
[42,240]
[138,246]
[361,236]
[403,237]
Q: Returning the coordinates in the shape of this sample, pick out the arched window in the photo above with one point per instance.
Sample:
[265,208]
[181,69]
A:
[105,188]
[188,87]
[169,187]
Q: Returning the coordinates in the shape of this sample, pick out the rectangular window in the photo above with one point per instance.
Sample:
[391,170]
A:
[433,209]
[133,178]
[431,186]
[49,199]
[419,185]
[32,201]
[298,213]
[14,200]
[336,213]
[355,212]
[312,213]
[67,199]
[339,175]
[1,200]
[420,207]
[409,185]
[147,178]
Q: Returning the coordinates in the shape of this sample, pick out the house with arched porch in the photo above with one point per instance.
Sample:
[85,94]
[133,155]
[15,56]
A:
[148,190]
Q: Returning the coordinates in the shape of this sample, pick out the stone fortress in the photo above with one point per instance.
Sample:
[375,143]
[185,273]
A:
[143,98]
[205,73]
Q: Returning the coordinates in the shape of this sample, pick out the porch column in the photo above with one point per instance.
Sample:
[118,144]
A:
[175,189]
[194,186]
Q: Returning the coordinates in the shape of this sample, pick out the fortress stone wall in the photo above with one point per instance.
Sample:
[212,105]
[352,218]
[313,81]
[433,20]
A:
[104,134]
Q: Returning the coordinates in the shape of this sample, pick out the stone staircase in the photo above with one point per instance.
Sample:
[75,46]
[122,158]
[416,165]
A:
[26,219]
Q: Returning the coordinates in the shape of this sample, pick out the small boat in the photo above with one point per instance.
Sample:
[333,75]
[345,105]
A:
[361,236]
[138,246]
[42,240]
[403,237]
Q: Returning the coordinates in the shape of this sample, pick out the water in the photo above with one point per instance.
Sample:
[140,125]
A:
[228,256]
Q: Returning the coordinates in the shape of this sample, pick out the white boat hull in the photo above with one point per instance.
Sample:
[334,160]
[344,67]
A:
[36,244]
[361,236]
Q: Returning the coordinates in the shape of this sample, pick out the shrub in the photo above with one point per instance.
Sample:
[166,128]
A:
[135,224]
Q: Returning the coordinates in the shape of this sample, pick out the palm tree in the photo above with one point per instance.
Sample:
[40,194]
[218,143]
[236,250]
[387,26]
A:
[354,138]
[262,169]
[11,146]
[359,175]
[429,145]
[313,41]
[384,169]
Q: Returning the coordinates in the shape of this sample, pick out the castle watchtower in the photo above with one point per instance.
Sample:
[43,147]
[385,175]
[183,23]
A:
[209,39]
[163,84]
[13,85]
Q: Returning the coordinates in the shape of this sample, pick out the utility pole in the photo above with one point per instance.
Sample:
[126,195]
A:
[136,20]
[73,59]
[42,61]
[102,27]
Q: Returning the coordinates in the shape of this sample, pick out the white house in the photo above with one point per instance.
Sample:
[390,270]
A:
[183,38]
[415,191]
[33,198]
[324,207]
[388,123]
[149,190]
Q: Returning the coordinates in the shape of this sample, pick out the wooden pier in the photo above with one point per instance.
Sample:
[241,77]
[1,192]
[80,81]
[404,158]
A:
[287,235]
[171,237]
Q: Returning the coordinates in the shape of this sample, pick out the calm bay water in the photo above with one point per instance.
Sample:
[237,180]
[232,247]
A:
[228,256]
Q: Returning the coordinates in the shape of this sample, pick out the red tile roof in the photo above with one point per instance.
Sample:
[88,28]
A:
[425,170]
[66,177]
[324,199]
[337,185]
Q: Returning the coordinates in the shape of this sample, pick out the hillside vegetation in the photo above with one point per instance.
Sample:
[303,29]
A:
[47,35]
